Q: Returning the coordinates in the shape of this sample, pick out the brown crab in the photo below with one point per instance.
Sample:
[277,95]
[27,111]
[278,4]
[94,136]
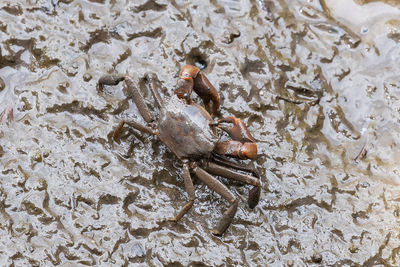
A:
[189,131]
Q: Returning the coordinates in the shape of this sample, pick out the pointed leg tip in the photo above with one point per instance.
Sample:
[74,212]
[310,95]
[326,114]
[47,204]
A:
[252,205]
[254,197]
[216,232]
[174,220]
[116,137]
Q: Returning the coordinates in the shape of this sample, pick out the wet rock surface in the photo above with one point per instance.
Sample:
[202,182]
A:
[315,88]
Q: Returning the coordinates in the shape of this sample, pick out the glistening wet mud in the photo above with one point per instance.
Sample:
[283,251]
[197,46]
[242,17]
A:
[315,84]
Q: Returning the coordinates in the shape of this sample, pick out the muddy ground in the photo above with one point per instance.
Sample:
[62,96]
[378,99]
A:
[315,81]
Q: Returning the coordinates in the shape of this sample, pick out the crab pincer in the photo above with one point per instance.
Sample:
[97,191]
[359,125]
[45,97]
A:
[242,145]
[191,78]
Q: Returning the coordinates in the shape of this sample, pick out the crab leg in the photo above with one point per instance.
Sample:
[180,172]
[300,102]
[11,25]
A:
[111,79]
[191,78]
[254,194]
[152,78]
[222,160]
[243,144]
[136,94]
[221,189]
[140,127]
[190,191]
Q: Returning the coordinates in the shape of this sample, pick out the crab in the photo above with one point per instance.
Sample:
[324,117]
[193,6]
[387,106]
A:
[191,133]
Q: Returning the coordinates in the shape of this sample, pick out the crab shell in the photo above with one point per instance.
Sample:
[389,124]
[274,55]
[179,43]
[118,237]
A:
[185,129]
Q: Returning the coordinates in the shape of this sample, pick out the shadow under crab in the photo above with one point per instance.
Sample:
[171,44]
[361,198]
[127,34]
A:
[190,132]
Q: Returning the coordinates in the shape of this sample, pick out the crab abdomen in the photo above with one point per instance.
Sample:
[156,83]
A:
[185,129]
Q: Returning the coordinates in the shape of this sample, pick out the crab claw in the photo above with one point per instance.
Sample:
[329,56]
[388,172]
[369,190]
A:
[186,83]
[191,78]
[238,131]
[237,149]
[243,144]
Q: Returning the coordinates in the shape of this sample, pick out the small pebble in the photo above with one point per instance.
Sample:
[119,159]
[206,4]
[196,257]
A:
[87,77]
[46,153]
[62,87]
[353,249]
[37,156]
[317,258]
